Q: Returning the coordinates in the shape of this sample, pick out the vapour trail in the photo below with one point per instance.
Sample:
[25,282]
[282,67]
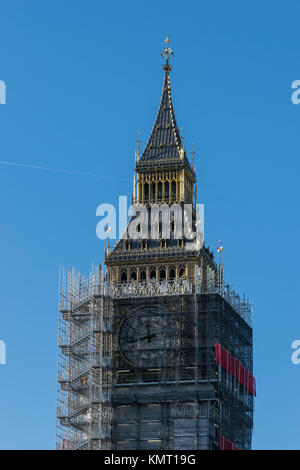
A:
[61,170]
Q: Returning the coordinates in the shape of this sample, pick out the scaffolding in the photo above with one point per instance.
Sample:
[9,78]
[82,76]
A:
[186,395]
[84,362]
[111,396]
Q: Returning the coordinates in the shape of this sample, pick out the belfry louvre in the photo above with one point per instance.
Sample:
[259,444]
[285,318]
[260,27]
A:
[156,351]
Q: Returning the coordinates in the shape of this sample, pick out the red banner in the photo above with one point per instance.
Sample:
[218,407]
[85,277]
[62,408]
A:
[235,368]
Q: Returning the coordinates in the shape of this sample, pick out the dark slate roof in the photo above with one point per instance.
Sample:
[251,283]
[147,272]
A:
[165,141]
[154,252]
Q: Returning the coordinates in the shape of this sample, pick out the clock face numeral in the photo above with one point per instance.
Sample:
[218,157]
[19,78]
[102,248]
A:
[147,338]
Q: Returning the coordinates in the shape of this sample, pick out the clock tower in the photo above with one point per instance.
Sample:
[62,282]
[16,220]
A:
[158,353]
[172,311]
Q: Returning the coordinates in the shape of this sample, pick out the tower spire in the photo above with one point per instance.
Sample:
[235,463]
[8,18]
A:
[164,142]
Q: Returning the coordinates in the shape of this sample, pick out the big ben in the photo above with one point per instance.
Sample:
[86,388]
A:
[178,363]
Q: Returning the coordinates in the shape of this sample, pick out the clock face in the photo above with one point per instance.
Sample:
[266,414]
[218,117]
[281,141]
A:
[147,338]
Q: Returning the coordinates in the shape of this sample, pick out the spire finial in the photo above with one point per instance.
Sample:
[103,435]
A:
[193,155]
[167,52]
[138,144]
[220,267]
[219,250]
[108,229]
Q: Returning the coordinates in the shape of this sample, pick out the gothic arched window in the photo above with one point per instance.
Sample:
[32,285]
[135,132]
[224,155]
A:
[167,189]
[153,274]
[173,186]
[159,190]
[162,274]
[172,273]
[182,271]
[146,191]
[152,189]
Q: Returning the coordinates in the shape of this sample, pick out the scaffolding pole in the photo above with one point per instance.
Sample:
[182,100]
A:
[84,362]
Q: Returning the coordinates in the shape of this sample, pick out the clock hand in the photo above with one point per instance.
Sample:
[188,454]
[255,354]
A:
[131,340]
[141,338]
[148,337]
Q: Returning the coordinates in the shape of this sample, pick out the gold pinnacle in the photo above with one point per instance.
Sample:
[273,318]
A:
[220,248]
[167,52]
[108,228]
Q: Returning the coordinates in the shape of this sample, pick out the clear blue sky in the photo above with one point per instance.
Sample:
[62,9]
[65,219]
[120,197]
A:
[82,78]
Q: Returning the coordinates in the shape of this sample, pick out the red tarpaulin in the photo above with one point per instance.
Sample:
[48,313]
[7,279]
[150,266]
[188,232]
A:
[225,444]
[235,368]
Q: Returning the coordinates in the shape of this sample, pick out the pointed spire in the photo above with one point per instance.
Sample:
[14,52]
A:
[165,141]
[165,144]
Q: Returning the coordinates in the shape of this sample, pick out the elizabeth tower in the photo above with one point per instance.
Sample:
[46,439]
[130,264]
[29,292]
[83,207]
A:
[158,352]
[182,338]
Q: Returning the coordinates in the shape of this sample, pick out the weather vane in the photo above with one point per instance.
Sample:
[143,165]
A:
[167,52]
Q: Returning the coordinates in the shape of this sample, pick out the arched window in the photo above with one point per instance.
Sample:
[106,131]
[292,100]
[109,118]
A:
[163,243]
[159,190]
[143,275]
[182,272]
[173,186]
[167,190]
[146,191]
[162,274]
[152,192]
[133,276]
[172,226]
[172,273]
[153,274]
[126,245]
[124,276]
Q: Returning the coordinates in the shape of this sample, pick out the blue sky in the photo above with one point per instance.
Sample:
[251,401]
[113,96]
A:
[82,78]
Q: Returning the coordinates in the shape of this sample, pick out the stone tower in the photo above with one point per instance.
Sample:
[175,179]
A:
[182,339]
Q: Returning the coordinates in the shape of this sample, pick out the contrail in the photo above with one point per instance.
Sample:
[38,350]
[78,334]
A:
[61,170]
